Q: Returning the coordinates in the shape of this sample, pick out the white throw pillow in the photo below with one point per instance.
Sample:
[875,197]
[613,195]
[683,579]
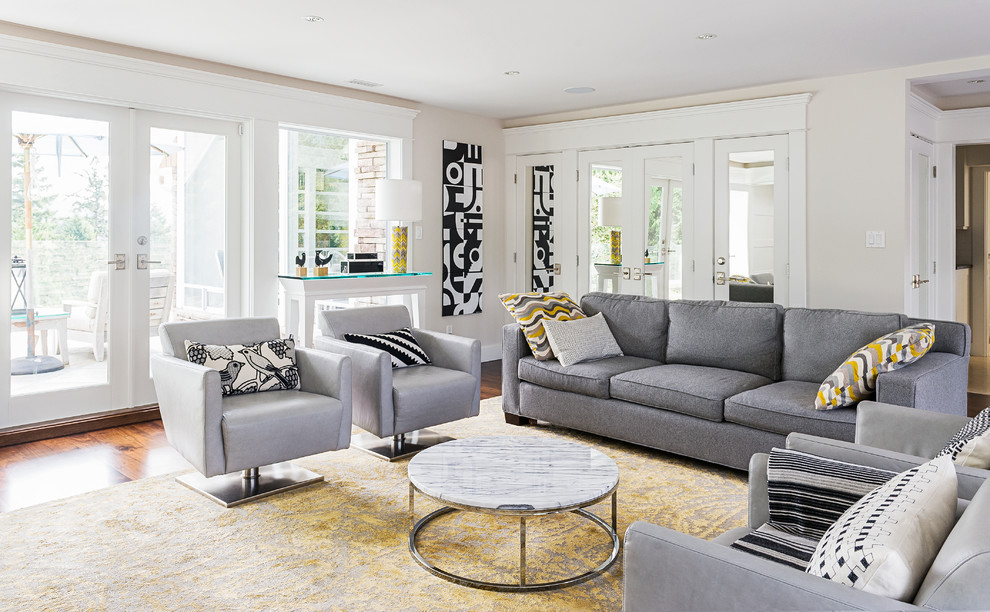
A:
[886,542]
[581,339]
[971,444]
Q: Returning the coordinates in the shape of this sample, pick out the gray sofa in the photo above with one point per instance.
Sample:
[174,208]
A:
[720,381]
[667,570]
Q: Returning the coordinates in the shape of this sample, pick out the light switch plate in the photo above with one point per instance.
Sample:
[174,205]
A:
[876,239]
[419,232]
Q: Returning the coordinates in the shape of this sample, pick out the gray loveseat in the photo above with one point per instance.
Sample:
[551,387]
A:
[720,381]
[667,570]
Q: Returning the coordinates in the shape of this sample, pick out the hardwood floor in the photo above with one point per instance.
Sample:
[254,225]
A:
[37,472]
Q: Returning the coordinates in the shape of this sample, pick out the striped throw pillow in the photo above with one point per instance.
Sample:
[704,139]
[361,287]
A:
[808,493]
[971,444]
[401,345]
[856,379]
[530,309]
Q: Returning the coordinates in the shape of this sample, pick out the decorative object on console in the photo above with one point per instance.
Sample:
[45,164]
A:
[265,366]
[886,542]
[530,309]
[542,228]
[400,344]
[322,258]
[301,264]
[856,379]
[462,224]
[971,444]
[399,200]
[584,339]
[361,266]
[610,215]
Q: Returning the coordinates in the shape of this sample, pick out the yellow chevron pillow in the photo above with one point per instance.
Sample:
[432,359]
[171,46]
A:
[856,379]
[529,310]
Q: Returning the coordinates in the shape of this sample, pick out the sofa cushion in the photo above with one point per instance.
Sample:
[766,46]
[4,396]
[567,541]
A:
[589,378]
[789,406]
[638,323]
[885,542]
[817,341]
[743,337]
[856,378]
[696,390]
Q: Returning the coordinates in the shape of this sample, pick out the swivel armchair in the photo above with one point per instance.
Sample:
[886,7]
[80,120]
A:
[396,405]
[240,443]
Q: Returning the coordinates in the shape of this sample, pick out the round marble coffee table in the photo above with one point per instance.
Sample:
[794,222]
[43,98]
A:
[518,477]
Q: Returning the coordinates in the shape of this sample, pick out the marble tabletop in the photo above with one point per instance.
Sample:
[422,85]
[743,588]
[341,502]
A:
[512,473]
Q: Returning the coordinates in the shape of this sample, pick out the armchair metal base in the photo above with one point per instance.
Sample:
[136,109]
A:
[236,488]
[399,446]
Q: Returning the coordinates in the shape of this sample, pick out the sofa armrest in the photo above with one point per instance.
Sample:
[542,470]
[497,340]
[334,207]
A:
[936,382]
[759,494]
[667,570]
[906,430]
[371,384]
[514,348]
[190,403]
[328,374]
[970,479]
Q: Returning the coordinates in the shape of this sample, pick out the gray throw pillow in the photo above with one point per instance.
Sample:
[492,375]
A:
[581,339]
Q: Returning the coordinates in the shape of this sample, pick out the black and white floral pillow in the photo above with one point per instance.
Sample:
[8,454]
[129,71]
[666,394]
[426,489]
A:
[249,368]
[971,444]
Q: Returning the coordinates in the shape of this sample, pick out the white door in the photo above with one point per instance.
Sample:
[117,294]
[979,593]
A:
[600,185]
[751,242]
[668,207]
[544,239]
[920,284]
[80,219]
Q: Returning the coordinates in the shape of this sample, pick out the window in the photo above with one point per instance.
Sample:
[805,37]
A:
[328,196]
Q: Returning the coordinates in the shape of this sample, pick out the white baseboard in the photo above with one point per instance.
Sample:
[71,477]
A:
[491,352]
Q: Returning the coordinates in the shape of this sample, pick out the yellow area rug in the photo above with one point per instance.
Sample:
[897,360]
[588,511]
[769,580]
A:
[342,544]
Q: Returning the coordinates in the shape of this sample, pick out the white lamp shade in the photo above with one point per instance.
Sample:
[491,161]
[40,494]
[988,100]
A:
[398,200]
[610,212]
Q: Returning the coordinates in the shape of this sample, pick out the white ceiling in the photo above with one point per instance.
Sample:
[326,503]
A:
[453,53]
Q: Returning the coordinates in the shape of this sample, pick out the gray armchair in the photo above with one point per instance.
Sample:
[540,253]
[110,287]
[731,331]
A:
[667,570]
[397,405]
[240,443]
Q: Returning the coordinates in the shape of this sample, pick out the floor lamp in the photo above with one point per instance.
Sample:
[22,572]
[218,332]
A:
[399,200]
[610,215]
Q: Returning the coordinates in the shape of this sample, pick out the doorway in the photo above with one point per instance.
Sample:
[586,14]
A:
[118,223]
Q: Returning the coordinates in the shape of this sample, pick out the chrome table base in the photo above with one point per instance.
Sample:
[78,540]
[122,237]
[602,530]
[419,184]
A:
[237,488]
[400,446]
[522,585]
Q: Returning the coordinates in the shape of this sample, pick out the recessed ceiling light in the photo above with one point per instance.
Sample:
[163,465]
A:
[579,90]
[313,18]
[707,36]
[511,73]
[364,83]
[975,81]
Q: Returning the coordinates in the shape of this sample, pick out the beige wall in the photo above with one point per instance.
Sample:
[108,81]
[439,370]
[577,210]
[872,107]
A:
[856,176]
[431,127]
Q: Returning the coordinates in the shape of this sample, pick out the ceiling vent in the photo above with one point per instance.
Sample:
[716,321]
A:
[362,83]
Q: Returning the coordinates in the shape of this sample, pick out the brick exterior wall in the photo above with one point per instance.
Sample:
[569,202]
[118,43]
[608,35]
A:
[372,163]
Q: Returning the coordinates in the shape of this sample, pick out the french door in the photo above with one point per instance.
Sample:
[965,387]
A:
[751,217]
[120,219]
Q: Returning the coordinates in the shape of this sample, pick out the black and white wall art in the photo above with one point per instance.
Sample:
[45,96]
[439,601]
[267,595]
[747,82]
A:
[462,205]
[542,228]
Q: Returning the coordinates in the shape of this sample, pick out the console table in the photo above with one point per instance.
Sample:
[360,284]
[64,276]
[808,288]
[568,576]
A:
[300,294]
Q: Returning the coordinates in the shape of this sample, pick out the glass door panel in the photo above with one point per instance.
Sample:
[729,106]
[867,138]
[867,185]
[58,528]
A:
[606,240]
[60,306]
[664,227]
[751,220]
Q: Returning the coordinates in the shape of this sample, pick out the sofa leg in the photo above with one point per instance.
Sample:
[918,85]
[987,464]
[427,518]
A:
[515,419]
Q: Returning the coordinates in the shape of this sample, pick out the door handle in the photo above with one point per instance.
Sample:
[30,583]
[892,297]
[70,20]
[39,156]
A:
[625,273]
[720,278]
[916,281]
[119,261]
[637,274]
[720,261]
[143,261]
